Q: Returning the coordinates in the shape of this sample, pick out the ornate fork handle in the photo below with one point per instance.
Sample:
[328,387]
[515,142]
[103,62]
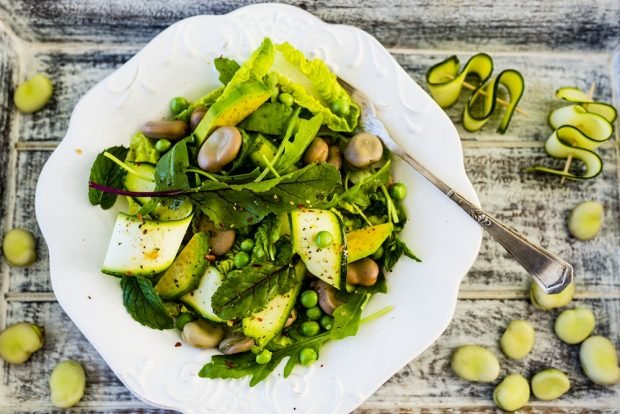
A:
[551,272]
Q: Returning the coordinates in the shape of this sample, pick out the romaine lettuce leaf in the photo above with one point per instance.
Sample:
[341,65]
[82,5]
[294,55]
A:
[255,68]
[313,86]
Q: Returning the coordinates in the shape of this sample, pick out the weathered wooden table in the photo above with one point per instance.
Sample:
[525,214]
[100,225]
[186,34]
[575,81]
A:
[553,43]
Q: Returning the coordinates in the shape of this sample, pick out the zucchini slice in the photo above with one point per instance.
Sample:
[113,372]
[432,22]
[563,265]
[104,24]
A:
[143,247]
[268,323]
[328,263]
[200,298]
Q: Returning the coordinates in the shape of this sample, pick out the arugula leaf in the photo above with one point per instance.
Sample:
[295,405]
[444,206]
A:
[393,250]
[237,205]
[348,315]
[226,67]
[105,172]
[266,236]
[143,303]
[170,170]
[270,118]
[360,192]
[293,148]
[246,291]
[347,319]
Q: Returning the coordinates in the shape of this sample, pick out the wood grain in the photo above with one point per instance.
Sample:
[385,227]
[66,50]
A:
[427,24]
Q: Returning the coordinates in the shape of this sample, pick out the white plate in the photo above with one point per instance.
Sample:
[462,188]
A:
[179,61]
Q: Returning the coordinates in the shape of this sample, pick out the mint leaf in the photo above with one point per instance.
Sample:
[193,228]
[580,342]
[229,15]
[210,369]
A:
[226,67]
[271,118]
[248,290]
[143,303]
[107,173]
[393,249]
[265,238]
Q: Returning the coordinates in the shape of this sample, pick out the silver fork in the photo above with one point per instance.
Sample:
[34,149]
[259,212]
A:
[551,272]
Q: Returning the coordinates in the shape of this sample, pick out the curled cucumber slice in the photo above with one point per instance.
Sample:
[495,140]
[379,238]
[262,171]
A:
[445,84]
[579,129]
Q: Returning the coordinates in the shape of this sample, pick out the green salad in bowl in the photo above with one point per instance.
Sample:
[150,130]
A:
[257,219]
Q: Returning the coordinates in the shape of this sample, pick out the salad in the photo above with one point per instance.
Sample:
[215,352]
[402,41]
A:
[257,219]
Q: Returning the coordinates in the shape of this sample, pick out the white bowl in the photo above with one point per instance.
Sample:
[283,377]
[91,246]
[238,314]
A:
[179,62]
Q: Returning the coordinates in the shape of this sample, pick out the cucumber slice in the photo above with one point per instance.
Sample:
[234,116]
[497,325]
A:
[572,94]
[138,181]
[143,247]
[268,323]
[576,95]
[186,270]
[592,125]
[200,298]
[328,263]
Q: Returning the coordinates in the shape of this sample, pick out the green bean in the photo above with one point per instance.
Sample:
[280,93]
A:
[475,363]
[18,247]
[512,393]
[599,360]
[67,383]
[18,342]
[550,384]
[546,302]
[518,339]
[574,325]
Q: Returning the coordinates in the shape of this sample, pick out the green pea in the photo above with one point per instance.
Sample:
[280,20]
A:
[162,145]
[326,322]
[241,260]
[398,191]
[263,357]
[286,99]
[307,356]
[183,319]
[323,239]
[310,328]
[280,342]
[309,298]
[247,245]
[178,105]
[340,107]
[314,313]
[378,254]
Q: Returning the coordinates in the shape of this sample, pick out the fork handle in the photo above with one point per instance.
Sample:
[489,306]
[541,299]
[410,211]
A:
[551,272]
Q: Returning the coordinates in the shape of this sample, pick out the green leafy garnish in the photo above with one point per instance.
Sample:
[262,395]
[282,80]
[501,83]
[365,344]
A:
[393,249]
[226,67]
[170,170]
[248,290]
[144,304]
[266,237]
[106,172]
[271,118]
[347,319]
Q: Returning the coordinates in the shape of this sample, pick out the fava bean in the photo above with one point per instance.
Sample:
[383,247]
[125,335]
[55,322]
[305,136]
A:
[202,334]
[363,272]
[196,117]
[317,151]
[18,342]
[334,156]
[328,301]
[18,247]
[236,344]
[220,148]
[512,393]
[550,384]
[546,302]
[574,325]
[586,220]
[172,130]
[33,94]
[475,363]
[518,339]
[363,149]
[67,383]
[599,360]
